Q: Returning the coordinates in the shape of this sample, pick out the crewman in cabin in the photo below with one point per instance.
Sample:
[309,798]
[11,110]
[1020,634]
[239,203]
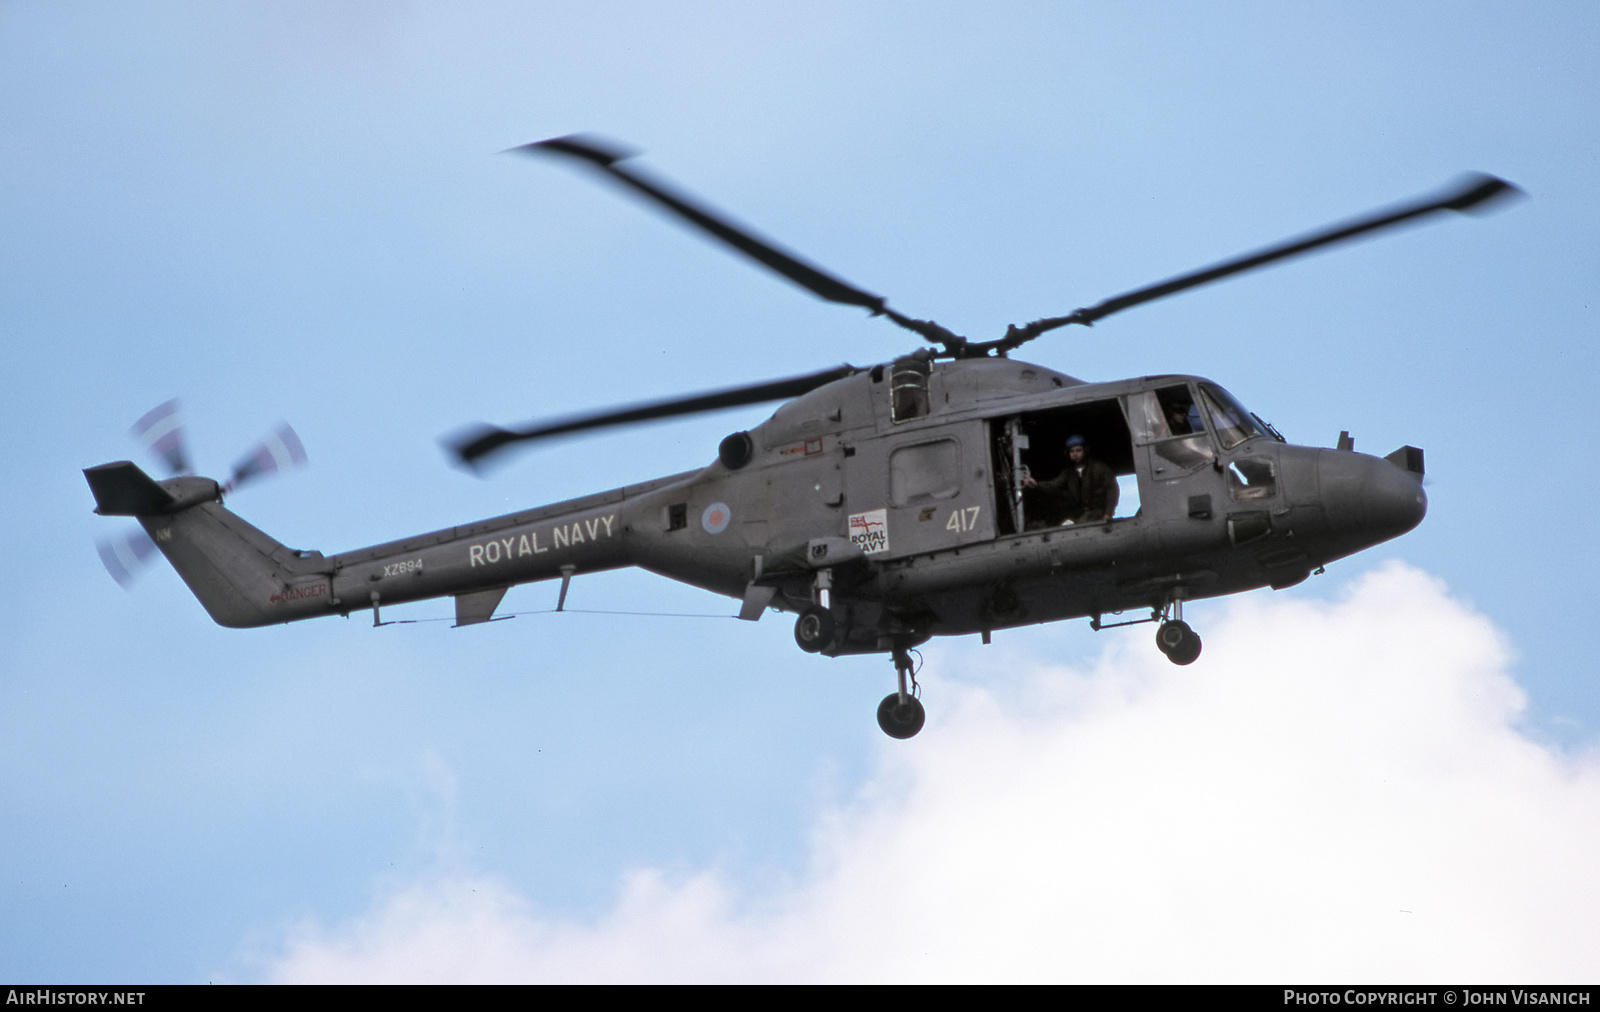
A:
[1084,492]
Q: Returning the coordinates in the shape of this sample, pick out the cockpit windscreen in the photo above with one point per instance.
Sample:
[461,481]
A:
[1233,424]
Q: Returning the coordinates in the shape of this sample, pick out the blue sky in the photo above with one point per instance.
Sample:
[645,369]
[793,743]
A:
[297,212]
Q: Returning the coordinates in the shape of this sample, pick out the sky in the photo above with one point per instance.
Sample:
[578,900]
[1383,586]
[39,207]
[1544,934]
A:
[300,212]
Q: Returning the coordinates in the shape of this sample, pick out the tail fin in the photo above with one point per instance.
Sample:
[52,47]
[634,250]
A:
[241,576]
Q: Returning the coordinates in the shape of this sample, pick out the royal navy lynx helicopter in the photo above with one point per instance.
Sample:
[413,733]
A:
[882,505]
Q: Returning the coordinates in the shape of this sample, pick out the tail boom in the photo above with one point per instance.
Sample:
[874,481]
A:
[244,578]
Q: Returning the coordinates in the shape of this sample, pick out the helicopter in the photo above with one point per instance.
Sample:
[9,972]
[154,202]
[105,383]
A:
[881,505]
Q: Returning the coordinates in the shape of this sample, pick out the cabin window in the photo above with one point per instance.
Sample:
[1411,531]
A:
[908,388]
[925,471]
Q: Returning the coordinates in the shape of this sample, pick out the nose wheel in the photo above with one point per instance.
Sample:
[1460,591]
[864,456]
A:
[901,714]
[1174,638]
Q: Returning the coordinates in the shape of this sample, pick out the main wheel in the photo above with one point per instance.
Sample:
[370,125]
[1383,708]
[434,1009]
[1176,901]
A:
[1180,643]
[901,720]
[814,629]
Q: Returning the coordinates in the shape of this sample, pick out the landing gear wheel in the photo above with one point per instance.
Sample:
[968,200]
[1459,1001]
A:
[901,719]
[1180,643]
[814,629]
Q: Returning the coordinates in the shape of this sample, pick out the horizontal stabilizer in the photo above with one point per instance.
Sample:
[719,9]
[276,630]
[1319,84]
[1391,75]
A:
[123,490]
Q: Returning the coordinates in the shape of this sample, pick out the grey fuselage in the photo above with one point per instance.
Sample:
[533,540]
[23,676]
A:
[899,491]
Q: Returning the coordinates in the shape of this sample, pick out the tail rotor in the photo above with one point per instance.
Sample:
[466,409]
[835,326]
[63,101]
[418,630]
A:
[279,451]
[126,555]
[161,430]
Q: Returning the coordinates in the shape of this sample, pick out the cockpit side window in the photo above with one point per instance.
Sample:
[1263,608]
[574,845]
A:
[1233,423]
[1179,411]
[1168,420]
[1252,478]
[1144,418]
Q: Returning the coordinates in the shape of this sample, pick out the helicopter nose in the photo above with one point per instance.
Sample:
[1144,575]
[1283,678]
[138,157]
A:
[1369,496]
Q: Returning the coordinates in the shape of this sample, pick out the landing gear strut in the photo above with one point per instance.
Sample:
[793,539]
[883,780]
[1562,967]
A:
[901,714]
[1174,638]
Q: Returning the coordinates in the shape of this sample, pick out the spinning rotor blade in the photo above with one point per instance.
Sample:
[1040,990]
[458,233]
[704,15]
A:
[126,555]
[720,226]
[1471,194]
[279,451]
[478,442]
[714,223]
[161,430]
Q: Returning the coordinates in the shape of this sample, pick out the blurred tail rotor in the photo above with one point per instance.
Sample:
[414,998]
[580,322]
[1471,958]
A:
[161,429]
[279,451]
[126,555]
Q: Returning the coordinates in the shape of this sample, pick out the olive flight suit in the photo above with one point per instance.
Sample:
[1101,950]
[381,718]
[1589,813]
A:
[1079,498]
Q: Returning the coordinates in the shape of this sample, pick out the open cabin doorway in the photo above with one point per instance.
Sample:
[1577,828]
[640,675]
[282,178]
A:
[1034,444]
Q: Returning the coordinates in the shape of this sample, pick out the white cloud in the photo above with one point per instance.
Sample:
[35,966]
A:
[1334,792]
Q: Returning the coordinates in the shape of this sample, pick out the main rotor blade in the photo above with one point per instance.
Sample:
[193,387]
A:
[714,223]
[1472,194]
[480,441]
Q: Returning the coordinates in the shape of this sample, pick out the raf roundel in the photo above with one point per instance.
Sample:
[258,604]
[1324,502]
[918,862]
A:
[715,518]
